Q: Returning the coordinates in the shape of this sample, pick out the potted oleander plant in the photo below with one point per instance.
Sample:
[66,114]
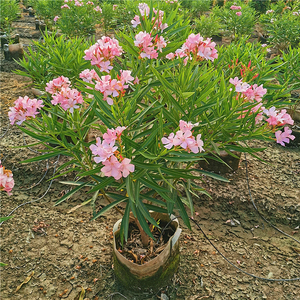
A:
[157,106]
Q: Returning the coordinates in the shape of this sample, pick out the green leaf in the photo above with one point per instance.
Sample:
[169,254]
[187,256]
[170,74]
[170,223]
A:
[146,166]
[125,224]
[107,181]
[129,188]
[212,175]
[2,219]
[90,172]
[153,185]
[143,223]
[46,156]
[108,207]
[182,212]
[72,192]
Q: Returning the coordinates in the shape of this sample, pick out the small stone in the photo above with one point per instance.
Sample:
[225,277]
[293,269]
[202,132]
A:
[164,297]
[67,243]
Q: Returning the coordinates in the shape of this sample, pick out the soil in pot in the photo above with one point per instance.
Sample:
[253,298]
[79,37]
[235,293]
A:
[148,269]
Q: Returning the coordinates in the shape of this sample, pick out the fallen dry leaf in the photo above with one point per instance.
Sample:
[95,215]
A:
[25,281]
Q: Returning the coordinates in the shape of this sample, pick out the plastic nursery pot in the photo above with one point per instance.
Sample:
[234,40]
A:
[31,12]
[216,38]
[14,51]
[153,275]
[37,24]
[42,26]
[232,163]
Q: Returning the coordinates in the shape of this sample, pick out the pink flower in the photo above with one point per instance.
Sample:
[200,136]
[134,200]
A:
[284,118]
[103,150]
[115,7]
[77,3]
[103,52]
[160,43]
[119,130]
[143,40]
[170,141]
[184,126]
[144,9]
[278,119]
[136,21]
[110,136]
[89,75]
[113,134]
[6,180]
[170,56]
[55,86]
[68,99]
[25,108]
[195,145]
[184,138]
[126,77]
[112,167]
[97,8]
[112,87]
[56,18]
[234,7]
[195,45]
[65,6]
[126,167]
[264,45]
[242,87]
[238,13]
[235,81]
[284,137]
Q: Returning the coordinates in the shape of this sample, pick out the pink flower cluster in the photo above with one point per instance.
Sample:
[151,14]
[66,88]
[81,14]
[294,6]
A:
[148,47]
[275,119]
[278,119]
[24,109]
[184,138]
[62,94]
[65,6]
[234,7]
[196,46]
[98,8]
[103,52]
[6,180]
[284,137]
[106,152]
[113,87]
[157,20]
[250,92]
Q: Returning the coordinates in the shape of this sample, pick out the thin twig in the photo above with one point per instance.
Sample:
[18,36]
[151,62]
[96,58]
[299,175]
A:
[29,202]
[6,131]
[116,293]
[35,184]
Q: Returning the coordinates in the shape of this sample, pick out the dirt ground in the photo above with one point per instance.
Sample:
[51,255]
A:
[74,253]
